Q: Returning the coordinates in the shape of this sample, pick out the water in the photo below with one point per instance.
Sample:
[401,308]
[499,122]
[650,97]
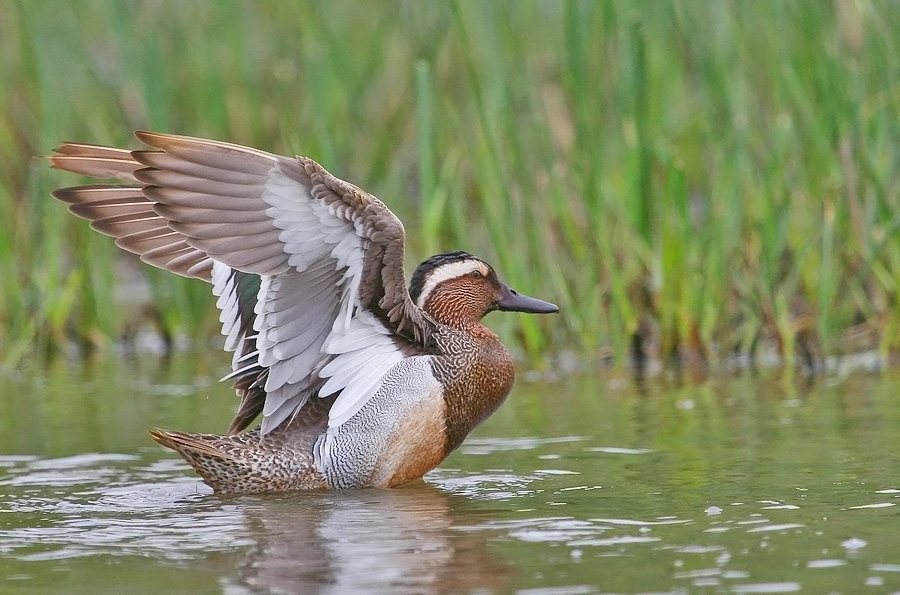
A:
[752,484]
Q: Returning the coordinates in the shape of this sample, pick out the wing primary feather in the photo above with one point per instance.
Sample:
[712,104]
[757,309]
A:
[241,218]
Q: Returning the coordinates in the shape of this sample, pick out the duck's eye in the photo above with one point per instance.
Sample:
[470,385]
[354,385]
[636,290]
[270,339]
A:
[476,274]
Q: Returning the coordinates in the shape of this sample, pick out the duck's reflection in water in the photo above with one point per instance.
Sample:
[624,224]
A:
[408,540]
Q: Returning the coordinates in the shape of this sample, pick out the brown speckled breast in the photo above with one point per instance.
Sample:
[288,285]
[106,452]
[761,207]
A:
[477,377]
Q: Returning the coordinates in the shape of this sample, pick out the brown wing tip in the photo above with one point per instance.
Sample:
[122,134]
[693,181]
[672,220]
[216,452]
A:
[183,144]
[152,139]
[165,141]
[94,160]
[60,158]
[64,194]
[70,147]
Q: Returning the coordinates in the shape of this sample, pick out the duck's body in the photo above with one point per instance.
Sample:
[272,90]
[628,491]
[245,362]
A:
[359,380]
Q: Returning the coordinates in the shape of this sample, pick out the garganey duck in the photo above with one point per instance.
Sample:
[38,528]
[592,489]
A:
[359,380]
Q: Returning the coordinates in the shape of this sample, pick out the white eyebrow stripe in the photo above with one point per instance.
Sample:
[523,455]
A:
[448,271]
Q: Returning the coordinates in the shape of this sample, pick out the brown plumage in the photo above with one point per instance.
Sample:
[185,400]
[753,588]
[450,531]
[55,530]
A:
[359,381]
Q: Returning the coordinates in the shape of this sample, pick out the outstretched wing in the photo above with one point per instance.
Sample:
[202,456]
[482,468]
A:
[322,258]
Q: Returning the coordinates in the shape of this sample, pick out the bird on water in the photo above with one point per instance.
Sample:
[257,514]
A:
[358,379]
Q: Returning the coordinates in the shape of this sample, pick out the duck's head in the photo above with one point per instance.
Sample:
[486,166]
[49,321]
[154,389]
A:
[457,288]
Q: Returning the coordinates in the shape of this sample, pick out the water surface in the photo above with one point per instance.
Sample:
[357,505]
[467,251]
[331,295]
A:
[593,484]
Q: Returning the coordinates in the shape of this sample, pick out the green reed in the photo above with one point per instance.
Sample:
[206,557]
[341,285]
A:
[686,179]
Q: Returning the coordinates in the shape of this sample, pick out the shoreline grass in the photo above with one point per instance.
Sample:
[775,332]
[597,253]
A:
[687,180]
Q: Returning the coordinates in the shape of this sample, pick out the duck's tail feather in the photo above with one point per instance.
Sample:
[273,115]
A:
[242,463]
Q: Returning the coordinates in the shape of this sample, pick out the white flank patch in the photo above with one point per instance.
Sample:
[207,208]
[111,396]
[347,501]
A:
[365,352]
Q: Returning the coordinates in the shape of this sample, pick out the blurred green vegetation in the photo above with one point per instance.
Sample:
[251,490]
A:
[691,179]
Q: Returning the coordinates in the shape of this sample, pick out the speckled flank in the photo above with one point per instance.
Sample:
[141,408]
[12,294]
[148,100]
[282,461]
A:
[238,463]
[241,463]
